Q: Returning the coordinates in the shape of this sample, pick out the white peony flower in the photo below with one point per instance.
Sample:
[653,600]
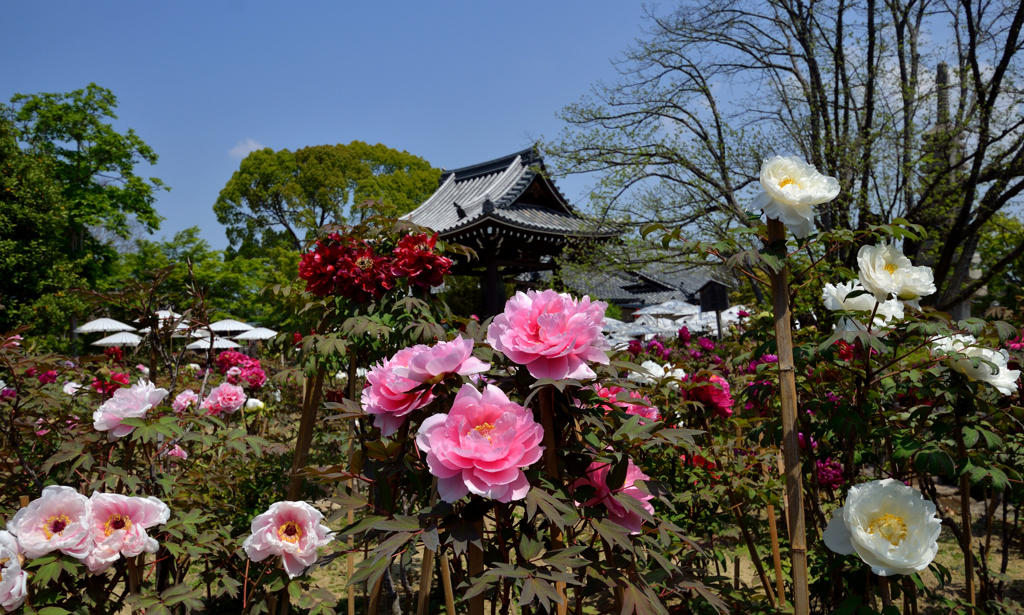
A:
[659,372]
[790,189]
[252,404]
[886,272]
[71,388]
[998,374]
[888,525]
[836,297]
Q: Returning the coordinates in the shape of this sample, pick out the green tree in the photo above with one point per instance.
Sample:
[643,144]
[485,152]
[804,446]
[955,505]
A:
[66,173]
[282,198]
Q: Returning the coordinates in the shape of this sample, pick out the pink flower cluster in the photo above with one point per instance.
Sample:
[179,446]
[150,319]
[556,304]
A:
[553,334]
[481,446]
[291,530]
[226,398]
[96,530]
[404,383]
[184,400]
[241,369]
[611,394]
[597,477]
[133,402]
[712,391]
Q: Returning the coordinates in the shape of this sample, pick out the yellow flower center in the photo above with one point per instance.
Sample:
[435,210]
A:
[890,527]
[787,182]
[290,532]
[485,430]
[4,560]
[116,522]
[55,525]
[891,268]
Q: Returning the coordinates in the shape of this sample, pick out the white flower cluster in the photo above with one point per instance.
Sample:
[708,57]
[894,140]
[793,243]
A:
[977,363]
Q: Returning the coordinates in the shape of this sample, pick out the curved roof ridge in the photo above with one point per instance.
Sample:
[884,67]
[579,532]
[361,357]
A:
[493,166]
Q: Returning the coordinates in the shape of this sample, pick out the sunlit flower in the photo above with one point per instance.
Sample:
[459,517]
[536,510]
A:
[790,189]
[71,388]
[553,334]
[225,398]
[442,359]
[291,530]
[390,394]
[837,297]
[118,524]
[183,400]
[886,272]
[13,580]
[254,405]
[597,477]
[416,259]
[658,372]
[888,525]
[133,402]
[481,446]
[56,521]
[992,365]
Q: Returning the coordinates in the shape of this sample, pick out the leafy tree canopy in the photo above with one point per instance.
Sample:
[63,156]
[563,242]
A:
[281,198]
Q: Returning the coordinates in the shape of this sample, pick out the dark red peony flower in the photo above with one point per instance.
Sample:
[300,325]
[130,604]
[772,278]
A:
[115,382]
[416,259]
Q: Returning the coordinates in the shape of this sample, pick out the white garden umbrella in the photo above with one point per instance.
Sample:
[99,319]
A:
[227,325]
[257,333]
[218,342]
[103,324]
[123,338]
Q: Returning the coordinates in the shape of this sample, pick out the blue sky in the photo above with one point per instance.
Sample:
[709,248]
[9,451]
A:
[203,82]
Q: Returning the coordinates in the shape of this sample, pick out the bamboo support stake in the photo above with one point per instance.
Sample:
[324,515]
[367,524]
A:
[446,582]
[547,421]
[790,428]
[375,593]
[773,530]
[310,405]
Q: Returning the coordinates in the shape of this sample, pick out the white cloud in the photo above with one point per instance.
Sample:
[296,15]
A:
[245,147]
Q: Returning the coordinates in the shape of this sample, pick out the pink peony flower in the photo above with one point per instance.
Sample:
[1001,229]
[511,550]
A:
[133,402]
[233,372]
[226,398]
[56,521]
[391,394]
[552,334]
[178,453]
[291,530]
[118,524]
[714,394]
[481,446]
[597,477]
[184,399]
[612,395]
[13,580]
[435,362]
[47,377]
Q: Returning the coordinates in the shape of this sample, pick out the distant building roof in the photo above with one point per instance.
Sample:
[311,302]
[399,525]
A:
[510,193]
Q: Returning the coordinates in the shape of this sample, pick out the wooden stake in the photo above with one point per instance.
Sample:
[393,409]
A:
[446,582]
[24,501]
[790,427]
[547,421]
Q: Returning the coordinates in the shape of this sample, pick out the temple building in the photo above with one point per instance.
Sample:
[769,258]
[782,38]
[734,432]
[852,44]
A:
[511,214]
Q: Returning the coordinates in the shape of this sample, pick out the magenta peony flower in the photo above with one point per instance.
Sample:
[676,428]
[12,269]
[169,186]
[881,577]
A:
[715,394]
[226,398]
[132,402]
[552,334]
[830,473]
[118,524]
[184,399]
[597,476]
[432,363]
[47,377]
[291,530]
[390,394]
[13,580]
[57,521]
[481,446]
[685,336]
[178,452]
